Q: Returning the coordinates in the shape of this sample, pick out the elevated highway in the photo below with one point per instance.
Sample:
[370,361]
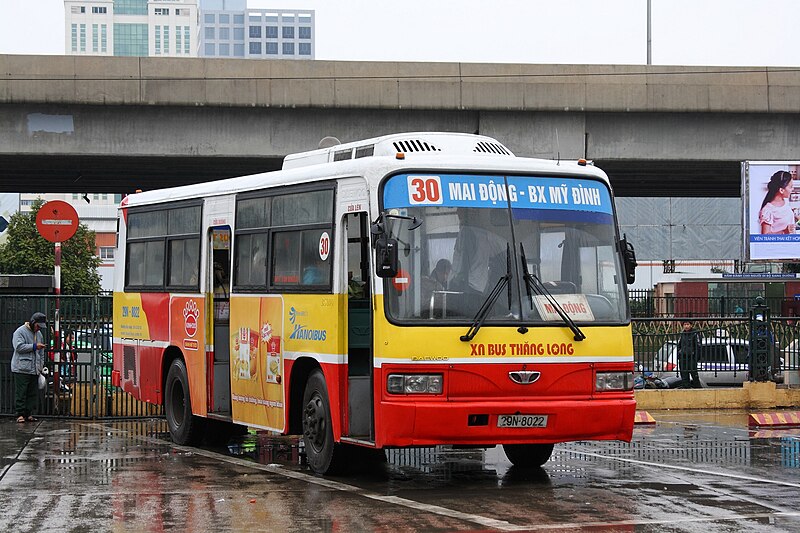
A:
[115,124]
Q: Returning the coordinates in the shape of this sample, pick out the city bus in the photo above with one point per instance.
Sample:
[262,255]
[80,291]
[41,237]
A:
[415,289]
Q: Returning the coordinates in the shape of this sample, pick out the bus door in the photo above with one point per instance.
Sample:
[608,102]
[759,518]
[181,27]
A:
[359,328]
[219,378]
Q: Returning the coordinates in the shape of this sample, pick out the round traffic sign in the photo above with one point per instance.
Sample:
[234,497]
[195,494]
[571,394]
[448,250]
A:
[57,221]
[401,280]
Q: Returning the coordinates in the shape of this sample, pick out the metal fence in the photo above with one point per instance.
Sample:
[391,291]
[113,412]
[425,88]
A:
[725,355]
[83,388]
[86,391]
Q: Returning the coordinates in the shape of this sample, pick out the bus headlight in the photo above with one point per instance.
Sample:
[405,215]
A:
[613,381]
[415,384]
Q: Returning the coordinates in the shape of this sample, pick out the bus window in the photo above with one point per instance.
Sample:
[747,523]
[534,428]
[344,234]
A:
[277,224]
[569,250]
[286,258]
[297,259]
[251,260]
[184,262]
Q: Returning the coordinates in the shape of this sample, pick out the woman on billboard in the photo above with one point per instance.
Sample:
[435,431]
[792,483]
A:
[776,215]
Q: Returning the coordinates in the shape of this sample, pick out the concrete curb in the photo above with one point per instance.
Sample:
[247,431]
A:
[751,395]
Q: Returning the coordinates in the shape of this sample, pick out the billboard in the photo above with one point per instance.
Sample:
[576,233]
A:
[771,210]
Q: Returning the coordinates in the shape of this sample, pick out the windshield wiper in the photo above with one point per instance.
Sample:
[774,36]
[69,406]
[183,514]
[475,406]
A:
[483,312]
[532,282]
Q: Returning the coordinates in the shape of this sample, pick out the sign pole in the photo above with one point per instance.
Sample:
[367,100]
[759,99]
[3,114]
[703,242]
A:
[57,221]
[57,333]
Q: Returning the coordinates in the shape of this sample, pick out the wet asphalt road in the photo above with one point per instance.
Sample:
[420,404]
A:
[692,471]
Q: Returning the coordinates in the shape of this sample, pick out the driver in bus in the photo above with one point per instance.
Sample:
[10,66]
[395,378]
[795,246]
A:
[476,249]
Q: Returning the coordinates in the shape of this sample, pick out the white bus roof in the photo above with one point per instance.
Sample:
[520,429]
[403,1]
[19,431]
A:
[390,145]
[429,151]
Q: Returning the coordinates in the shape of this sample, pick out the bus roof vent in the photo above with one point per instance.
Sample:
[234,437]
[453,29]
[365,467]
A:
[365,151]
[341,155]
[486,147]
[414,145]
[420,143]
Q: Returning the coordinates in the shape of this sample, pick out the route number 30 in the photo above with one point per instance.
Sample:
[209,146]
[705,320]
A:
[424,190]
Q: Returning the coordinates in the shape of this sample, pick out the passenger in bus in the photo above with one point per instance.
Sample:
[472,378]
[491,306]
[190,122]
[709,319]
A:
[441,274]
[220,281]
[314,274]
[355,288]
[221,303]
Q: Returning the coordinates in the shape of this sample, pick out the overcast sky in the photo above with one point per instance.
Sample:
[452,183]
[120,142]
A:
[685,32]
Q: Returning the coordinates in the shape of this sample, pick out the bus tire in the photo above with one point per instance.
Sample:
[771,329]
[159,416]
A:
[184,427]
[317,427]
[528,455]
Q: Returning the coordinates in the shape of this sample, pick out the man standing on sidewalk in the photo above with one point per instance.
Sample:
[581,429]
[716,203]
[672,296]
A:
[26,365]
[688,351]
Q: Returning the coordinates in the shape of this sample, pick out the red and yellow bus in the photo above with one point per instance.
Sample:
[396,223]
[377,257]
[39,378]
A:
[409,290]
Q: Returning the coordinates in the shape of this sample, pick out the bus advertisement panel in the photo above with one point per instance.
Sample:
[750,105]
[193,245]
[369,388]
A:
[257,361]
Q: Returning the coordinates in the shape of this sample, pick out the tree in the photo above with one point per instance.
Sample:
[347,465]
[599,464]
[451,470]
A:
[27,252]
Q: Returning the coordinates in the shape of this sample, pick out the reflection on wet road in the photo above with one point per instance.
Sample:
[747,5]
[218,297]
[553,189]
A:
[690,472]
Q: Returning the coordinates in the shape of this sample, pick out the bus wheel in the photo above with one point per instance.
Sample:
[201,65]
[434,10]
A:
[317,429]
[183,426]
[528,455]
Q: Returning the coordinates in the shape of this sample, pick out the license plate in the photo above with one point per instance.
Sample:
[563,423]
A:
[522,421]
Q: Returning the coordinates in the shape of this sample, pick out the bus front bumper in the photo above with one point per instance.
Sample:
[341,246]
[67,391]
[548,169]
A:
[476,423]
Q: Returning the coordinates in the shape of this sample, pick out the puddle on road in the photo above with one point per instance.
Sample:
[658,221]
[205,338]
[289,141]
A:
[266,448]
[438,464]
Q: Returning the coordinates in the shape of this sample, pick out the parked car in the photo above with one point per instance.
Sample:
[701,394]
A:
[721,361]
[99,339]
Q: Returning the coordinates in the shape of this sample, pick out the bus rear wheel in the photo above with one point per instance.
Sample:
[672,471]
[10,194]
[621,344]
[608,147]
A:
[528,455]
[184,427]
[317,428]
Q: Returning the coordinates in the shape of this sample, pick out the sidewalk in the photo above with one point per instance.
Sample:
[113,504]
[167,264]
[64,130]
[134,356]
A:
[751,395]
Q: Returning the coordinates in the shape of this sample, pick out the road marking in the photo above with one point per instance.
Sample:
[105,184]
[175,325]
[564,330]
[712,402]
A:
[688,469]
[668,522]
[500,525]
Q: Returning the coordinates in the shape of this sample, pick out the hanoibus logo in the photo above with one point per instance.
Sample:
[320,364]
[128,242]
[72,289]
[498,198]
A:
[301,332]
[294,313]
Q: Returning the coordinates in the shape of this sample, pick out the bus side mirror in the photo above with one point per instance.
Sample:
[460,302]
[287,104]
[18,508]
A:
[628,259]
[386,262]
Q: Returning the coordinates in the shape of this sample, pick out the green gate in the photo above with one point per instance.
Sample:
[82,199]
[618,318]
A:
[83,388]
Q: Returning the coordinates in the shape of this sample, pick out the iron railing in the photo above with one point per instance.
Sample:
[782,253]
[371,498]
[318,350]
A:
[725,354]
[87,391]
[83,388]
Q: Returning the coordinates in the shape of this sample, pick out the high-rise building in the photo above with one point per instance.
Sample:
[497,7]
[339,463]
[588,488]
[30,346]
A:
[131,27]
[186,28]
[255,33]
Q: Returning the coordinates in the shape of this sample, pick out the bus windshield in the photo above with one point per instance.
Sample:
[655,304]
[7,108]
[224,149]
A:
[548,245]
